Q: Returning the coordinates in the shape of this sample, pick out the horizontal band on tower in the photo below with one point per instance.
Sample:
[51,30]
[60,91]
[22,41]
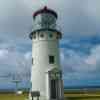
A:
[45,29]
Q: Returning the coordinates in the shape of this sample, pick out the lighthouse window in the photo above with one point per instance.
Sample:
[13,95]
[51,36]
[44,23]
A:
[34,36]
[51,59]
[50,35]
[32,60]
[41,35]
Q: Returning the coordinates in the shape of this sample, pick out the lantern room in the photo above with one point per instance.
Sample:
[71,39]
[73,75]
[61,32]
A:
[44,19]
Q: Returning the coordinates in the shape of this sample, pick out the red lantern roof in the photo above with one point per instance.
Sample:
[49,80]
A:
[45,10]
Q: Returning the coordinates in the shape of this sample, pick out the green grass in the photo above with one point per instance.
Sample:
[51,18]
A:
[12,96]
[82,95]
[68,96]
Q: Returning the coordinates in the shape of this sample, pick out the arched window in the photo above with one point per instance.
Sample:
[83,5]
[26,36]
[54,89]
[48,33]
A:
[50,35]
[41,35]
[34,36]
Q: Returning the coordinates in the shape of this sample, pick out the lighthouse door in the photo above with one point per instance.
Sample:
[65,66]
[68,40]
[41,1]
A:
[54,88]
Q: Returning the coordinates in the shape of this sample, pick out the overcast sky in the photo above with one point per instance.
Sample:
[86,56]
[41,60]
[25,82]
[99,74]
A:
[79,21]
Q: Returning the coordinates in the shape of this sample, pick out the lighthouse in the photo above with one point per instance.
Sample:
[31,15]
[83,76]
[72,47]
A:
[46,73]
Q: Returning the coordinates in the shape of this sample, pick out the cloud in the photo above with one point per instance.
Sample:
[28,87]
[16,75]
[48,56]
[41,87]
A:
[28,55]
[3,53]
[15,63]
[79,21]
[81,67]
[77,18]
[94,58]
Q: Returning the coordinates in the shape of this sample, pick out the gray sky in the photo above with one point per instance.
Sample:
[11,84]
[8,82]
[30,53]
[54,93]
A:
[79,21]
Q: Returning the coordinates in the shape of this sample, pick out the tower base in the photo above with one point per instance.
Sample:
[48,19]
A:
[41,98]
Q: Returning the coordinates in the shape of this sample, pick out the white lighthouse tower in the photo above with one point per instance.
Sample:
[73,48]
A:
[46,76]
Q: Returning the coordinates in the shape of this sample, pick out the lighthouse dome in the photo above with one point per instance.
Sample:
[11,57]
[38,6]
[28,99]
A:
[44,19]
[46,11]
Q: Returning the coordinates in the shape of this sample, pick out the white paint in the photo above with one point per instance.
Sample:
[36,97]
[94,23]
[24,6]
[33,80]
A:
[42,47]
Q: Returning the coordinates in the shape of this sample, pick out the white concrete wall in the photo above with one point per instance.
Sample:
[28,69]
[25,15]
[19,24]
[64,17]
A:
[41,49]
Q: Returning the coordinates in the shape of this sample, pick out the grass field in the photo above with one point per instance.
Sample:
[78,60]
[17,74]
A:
[68,96]
[82,95]
[12,96]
